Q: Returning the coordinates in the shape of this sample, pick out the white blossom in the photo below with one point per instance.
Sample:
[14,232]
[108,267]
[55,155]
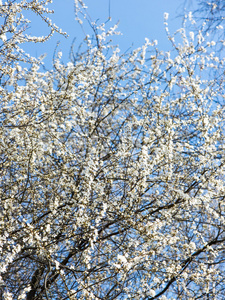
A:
[166,16]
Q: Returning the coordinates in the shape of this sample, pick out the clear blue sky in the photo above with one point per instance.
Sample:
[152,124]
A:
[138,19]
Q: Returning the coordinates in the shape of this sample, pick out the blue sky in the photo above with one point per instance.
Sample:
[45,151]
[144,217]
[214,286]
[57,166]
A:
[137,19]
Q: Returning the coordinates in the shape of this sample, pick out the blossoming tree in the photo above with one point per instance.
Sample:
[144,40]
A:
[212,13]
[112,168]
